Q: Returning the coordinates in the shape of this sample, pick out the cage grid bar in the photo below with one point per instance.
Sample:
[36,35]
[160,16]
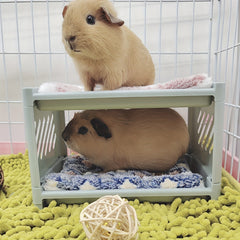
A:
[6,84]
[18,44]
[35,52]
[34,43]
[176,38]
[160,39]
[231,136]
[56,1]
[192,42]
[63,53]
[49,39]
[222,53]
[236,119]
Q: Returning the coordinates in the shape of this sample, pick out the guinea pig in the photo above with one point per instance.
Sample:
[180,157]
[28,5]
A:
[147,139]
[104,50]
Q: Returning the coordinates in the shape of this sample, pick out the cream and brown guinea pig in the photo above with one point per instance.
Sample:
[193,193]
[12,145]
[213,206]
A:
[148,139]
[103,49]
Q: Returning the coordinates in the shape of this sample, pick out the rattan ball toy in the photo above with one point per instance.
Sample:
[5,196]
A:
[110,218]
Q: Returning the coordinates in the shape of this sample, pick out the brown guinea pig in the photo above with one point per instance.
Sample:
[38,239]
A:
[148,139]
[103,49]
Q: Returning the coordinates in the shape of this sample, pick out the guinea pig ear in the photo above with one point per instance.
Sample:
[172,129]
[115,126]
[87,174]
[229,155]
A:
[64,11]
[106,15]
[101,128]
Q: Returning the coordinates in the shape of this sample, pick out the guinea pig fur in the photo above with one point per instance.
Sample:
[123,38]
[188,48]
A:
[103,49]
[148,139]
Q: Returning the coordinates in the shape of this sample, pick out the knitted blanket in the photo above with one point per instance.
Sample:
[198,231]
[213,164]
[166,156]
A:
[76,175]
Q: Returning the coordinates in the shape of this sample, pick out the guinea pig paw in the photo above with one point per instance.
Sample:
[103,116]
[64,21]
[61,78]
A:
[88,164]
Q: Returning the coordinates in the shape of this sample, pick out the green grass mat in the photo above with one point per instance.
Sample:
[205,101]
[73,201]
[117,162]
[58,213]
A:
[194,219]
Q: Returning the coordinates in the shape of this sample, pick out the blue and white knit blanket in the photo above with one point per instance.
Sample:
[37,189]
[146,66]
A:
[76,175]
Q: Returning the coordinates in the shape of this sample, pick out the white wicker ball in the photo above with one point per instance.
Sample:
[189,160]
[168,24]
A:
[110,218]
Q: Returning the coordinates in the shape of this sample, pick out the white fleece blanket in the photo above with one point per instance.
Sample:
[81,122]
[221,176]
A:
[194,81]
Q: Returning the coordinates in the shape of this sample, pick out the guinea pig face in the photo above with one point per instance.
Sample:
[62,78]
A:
[89,28]
[81,134]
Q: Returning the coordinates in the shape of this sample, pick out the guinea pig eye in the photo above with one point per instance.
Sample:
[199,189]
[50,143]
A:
[82,130]
[90,19]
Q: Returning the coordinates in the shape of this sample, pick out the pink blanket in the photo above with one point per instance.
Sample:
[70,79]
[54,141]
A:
[194,81]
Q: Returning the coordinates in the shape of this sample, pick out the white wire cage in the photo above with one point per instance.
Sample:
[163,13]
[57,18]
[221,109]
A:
[183,36]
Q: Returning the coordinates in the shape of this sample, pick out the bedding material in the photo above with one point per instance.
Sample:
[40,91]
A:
[78,174]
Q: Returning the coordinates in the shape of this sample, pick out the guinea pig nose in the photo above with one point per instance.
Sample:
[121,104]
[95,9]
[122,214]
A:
[65,136]
[72,38]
